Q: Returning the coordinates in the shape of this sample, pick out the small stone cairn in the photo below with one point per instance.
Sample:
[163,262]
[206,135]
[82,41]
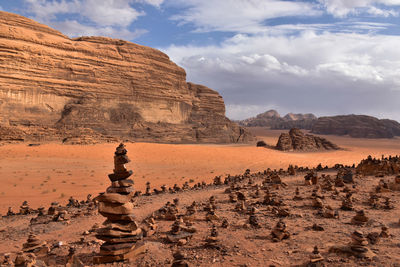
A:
[34,245]
[358,246]
[360,218]
[279,232]
[316,259]
[179,260]
[120,232]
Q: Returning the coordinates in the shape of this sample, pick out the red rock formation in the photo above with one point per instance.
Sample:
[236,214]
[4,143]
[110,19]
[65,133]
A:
[359,126]
[297,140]
[111,86]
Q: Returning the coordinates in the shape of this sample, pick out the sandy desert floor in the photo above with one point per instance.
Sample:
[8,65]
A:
[240,244]
[54,172]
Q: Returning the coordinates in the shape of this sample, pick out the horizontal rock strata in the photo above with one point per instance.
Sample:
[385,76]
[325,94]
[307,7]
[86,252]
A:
[51,85]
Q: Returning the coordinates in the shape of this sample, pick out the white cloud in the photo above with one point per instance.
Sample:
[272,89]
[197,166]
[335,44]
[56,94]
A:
[311,72]
[110,18]
[110,12]
[47,10]
[237,15]
[73,28]
[343,8]
[156,3]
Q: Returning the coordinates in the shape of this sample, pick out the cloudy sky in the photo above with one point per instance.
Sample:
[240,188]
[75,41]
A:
[326,57]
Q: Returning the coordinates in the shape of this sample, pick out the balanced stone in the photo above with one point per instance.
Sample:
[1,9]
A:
[316,259]
[120,159]
[121,233]
[114,198]
[179,260]
[279,232]
[33,244]
[358,246]
[360,218]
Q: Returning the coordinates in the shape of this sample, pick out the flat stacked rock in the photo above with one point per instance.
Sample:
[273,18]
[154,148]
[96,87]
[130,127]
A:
[179,260]
[24,208]
[212,240]
[279,232]
[316,259]
[120,232]
[358,245]
[360,218]
[34,244]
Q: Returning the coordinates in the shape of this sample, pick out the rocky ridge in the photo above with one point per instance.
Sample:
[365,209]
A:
[296,140]
[358,126]
[116,88]
[273,120]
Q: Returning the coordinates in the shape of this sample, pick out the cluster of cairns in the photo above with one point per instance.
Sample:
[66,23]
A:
[120,231]
[268,175]
[122,235]
[379,167]
[180,232]
[56,212]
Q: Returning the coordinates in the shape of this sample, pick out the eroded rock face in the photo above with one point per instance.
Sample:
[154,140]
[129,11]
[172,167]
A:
[296,140]
[359,126]
[114,87]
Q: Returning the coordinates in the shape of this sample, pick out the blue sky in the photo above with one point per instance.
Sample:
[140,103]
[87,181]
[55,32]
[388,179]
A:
[326,57]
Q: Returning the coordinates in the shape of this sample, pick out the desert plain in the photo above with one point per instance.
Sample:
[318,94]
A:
[54,172]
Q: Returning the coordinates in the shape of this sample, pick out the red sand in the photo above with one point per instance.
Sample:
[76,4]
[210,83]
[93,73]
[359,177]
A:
[53,172]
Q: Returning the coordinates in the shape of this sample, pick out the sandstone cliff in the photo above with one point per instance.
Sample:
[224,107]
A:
[114,87]
[273,120]
[296,140]
[359,126]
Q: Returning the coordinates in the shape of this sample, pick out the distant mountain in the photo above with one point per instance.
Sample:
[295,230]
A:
[272,119]
[358,126]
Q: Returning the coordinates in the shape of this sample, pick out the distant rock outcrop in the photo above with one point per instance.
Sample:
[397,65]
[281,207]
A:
[273,120]
[296,140]
[358,126]
[384,166]
[51,85]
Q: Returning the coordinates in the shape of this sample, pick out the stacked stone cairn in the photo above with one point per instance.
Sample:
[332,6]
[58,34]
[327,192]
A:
[120,232]
[34,245]
[179,260]
[24,209]
[316,259]
[212,239]
[360,218]
[279,232]
[358,246]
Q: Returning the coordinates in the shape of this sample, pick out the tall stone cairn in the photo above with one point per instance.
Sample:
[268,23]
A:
[121,233]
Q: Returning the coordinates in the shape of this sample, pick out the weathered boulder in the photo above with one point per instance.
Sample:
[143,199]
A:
[297,140]
[51,85]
